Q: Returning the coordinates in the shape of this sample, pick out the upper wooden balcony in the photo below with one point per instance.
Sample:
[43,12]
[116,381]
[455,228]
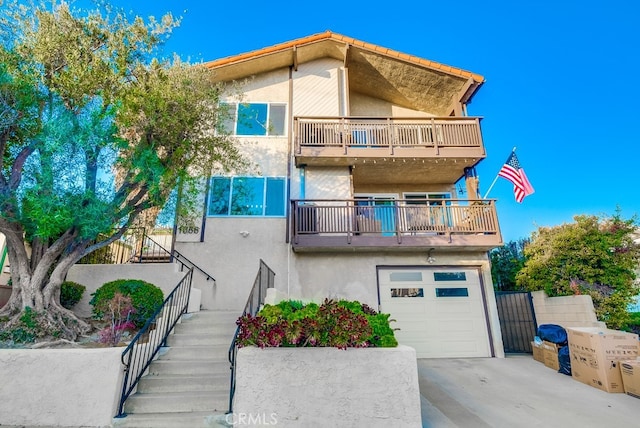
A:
[346,140]
[395,225]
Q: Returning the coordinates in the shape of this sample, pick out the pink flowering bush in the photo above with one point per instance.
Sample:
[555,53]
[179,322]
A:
[117,312]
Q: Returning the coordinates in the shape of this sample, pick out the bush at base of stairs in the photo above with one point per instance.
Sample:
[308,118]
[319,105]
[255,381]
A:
[145,297]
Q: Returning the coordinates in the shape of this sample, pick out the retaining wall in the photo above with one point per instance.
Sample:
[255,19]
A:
[567,311]
[305,387]
[59,387]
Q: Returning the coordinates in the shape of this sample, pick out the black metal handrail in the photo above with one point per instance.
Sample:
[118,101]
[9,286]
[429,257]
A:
[180,258]
[137,246]
[144,347]
[264,279]
[157,252]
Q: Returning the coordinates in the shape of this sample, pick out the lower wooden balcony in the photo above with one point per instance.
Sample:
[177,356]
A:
[394,225]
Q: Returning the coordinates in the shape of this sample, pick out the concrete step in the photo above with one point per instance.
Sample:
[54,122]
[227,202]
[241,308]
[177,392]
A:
[215,328]
[188,385]
[188,368]
[181,383]
[199,339]
[174,420]
[198,352]
[209,317]
[178,402]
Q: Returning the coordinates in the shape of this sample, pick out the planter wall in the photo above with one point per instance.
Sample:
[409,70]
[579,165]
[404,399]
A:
[369,387]
[59,387]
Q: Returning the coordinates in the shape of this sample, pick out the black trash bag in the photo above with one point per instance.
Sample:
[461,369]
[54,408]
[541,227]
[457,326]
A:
[564,360]
[553,333]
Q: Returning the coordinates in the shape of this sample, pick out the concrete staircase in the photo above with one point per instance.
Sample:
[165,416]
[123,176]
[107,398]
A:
[188,385]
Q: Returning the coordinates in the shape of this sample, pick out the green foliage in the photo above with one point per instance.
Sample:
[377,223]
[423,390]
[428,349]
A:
[593,255]
[30,327]
[340,324]
[633,324]
[71,293]
[146,298]
[506,262]
[95,131]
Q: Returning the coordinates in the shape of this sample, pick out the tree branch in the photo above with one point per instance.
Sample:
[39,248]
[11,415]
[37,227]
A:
[18,164]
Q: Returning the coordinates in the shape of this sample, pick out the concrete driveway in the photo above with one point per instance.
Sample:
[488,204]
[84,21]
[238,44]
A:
[516,391]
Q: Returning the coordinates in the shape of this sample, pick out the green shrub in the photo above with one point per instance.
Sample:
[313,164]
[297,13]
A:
[633,325]
[340,324]
[30,327]
[71,293]
[145,297]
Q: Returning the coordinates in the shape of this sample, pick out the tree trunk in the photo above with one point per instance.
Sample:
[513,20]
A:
[38,288]
[54,320]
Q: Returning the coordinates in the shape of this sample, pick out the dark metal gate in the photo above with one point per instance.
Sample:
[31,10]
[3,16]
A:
[517,320]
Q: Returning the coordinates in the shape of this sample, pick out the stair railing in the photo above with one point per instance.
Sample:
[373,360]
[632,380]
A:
[178,257]
[264,279]
[137,246]
[144,347]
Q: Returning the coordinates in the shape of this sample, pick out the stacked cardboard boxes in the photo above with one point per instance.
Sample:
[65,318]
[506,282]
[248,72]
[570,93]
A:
[538,351]
[630,371]
[550,353]
[596,356]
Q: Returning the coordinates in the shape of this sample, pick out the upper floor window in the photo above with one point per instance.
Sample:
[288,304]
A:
[252,119]
[247,196]
[421,198]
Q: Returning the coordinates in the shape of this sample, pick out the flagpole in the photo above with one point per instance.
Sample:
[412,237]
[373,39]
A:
[495,179]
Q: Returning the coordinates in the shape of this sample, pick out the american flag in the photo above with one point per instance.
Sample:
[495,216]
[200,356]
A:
[512,171]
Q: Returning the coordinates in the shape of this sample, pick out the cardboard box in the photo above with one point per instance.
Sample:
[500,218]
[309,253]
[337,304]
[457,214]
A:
[630,371]
[550,352]
[596,353]
[538,352]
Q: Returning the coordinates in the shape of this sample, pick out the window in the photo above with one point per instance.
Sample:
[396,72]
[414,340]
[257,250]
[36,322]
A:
[449,276]
[247,196]
[405,276]
[253,119]
[438,216]
[452,292]
[376,213]
[407,292]
[419,198]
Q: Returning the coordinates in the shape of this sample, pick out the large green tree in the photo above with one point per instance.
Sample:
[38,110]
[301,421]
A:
[83,101]
[506,262]
[594,255]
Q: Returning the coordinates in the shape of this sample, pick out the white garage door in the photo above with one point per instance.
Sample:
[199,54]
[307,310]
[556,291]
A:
[439,311]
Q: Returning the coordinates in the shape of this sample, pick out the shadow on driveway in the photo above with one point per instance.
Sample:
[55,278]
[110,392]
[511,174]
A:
[516,391]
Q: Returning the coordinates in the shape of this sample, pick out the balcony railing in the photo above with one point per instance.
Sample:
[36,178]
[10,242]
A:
[344,136]
[394,224]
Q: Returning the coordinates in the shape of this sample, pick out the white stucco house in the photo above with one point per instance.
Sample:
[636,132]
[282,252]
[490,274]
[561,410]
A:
[364,189]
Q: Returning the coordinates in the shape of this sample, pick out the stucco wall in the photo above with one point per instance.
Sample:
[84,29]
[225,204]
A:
[231,253]
[328,387]
[163,275]
[353,276]
[59,387]
[364,105]
[317,88]
[328,183]
[567,311]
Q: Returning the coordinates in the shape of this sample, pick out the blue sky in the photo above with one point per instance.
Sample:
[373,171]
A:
[560,82]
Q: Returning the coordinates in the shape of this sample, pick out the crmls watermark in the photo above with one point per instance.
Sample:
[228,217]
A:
[251,419]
